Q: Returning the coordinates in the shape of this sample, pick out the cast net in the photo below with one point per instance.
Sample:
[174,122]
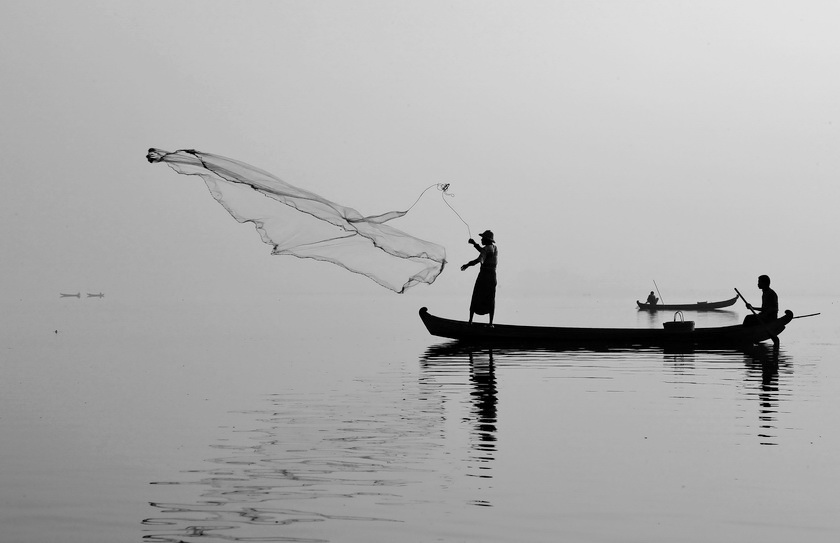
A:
[300,223]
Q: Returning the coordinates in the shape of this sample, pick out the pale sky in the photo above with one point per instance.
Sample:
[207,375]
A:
[607,144]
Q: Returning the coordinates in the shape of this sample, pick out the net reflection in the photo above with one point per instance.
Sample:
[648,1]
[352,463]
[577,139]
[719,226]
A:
[306,468]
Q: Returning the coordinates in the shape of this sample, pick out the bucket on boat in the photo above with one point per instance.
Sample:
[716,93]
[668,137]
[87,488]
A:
[681,325]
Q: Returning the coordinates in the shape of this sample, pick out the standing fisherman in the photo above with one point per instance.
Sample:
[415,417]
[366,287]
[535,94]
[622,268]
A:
[484,292]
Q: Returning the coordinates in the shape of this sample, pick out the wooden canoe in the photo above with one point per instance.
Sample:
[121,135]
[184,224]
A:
[671,334]
[699,306]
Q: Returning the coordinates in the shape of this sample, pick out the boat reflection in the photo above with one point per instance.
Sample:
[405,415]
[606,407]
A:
[765,368]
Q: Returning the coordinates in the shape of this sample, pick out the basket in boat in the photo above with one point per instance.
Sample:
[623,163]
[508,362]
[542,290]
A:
[681,325]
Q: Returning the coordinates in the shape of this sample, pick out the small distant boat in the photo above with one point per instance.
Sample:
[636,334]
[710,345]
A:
[698,306]
[77,295]
[673,334]
[100,295]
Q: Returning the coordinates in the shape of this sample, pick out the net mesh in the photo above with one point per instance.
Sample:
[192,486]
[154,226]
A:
[300,223]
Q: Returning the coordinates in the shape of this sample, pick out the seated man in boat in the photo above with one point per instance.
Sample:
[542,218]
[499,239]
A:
[769,310]
[651,299]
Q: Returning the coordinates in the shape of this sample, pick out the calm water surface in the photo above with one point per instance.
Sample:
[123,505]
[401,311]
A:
[310,419]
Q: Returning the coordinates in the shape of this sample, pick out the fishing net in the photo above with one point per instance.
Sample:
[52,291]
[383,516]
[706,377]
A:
[300,223]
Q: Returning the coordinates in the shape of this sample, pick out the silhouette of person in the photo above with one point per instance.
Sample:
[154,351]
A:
[483,300]
[769,310]
[651,299]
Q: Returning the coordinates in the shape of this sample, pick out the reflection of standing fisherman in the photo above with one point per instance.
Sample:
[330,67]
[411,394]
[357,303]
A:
[484,293]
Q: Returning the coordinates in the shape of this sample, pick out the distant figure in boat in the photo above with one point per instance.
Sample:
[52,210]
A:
[769,310]
[484,292]
[651,299]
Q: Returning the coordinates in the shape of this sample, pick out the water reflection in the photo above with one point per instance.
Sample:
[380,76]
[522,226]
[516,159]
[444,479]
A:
[387,451]
[440,363]
[483,379]
[306,467]
[764,367]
